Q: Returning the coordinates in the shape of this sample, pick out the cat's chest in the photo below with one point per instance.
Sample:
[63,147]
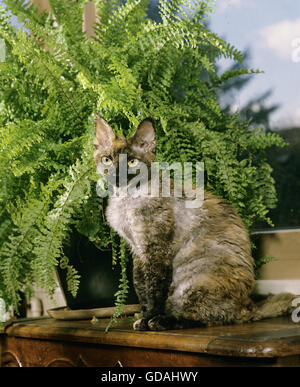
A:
[121,216]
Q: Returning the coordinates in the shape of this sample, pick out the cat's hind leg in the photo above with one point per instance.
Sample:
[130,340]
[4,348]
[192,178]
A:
[211,304]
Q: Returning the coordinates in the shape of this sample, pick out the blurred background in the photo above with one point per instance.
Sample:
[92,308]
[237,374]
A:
[268,33]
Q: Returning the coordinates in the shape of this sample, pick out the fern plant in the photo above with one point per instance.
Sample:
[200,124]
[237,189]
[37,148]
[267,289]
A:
[55,79]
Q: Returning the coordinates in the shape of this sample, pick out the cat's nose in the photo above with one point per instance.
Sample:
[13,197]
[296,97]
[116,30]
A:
[121,174]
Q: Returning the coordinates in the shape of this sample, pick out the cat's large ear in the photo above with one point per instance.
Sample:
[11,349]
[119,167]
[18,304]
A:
[144,137]
[104,135]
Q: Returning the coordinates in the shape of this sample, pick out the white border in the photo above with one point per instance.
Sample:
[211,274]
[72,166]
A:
[278,286]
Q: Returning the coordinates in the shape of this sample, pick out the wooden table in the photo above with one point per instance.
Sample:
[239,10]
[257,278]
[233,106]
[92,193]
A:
[47,342]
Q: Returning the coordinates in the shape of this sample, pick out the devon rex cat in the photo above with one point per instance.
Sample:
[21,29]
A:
[192,266]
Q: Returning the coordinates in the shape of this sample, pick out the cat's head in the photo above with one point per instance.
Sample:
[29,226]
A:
[137,149]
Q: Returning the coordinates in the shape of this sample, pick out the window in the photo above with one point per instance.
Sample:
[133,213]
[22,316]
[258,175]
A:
[269,34]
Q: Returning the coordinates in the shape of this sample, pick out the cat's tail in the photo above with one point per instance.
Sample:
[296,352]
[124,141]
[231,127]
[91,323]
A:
[273,305]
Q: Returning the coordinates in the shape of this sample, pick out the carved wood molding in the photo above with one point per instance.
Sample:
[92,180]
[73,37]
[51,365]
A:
[65,362]
[10,359]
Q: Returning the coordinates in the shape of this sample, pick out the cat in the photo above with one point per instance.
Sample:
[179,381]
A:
[191,266]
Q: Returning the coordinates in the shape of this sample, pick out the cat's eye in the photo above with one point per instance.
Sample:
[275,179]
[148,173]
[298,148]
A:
[106,160]
[133,163]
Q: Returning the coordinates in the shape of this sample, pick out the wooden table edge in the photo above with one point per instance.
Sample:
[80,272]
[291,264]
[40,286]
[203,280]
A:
[166,340]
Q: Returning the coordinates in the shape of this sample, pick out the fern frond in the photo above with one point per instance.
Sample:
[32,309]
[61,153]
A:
[121,294]
[48,249]
[16,251]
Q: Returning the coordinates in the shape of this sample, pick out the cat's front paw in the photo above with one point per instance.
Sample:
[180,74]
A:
[159,323]
[141,325]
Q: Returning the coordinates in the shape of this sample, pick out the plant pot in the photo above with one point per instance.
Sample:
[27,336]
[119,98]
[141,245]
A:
[99,280]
